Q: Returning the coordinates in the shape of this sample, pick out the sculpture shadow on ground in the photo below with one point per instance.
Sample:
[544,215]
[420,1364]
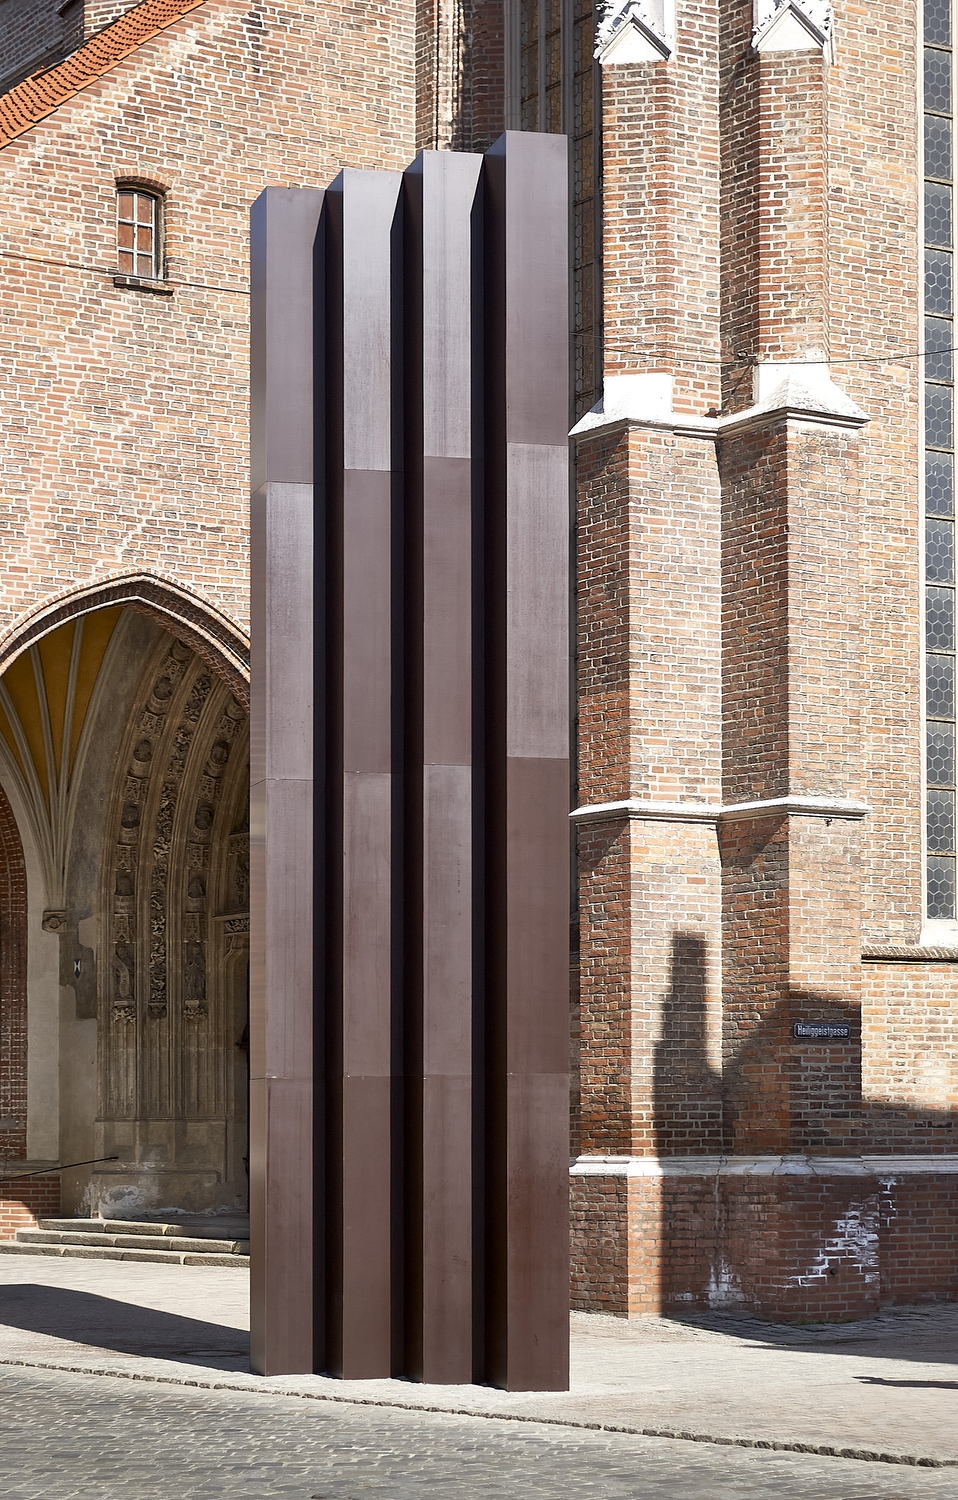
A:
[80,1317]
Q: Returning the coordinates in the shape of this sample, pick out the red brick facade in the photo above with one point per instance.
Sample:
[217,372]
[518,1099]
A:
[749,580]
[793,1248]
[137,461]
[749,607]
[23,1203]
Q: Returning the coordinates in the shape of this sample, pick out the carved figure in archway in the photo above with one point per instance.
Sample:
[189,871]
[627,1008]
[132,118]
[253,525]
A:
[124,1004]
[194,986]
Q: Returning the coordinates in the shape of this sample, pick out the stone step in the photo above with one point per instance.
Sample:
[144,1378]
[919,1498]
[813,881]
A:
[180,1244]
[97,1252]
[103,1226]
[151,1227]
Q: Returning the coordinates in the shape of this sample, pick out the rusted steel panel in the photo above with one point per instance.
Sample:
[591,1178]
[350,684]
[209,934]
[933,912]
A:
[427,696]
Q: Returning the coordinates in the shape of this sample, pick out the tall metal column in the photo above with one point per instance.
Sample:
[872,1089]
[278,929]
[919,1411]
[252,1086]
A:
[437,702]
[363,980]
[441,189]
[282,1086]
[527,748]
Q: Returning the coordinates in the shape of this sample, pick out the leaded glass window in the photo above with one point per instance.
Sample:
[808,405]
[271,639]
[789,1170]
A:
[939,339]
[138,233]
[558,83]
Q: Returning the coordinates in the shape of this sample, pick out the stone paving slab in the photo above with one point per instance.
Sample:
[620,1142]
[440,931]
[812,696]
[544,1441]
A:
[883,1388]
[78,1437]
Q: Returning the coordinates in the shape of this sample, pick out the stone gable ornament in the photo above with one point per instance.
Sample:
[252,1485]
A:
[636,31]
[793,26]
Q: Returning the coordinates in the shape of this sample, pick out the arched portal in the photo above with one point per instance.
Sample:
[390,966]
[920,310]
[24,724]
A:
[214,637]
[13,988]
[126,756]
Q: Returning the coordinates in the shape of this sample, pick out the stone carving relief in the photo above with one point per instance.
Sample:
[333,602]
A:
[150,723]
[238,867]
[194,989]
[177,864]
[195,919]
[163,839]
[124,1000]
[174,851]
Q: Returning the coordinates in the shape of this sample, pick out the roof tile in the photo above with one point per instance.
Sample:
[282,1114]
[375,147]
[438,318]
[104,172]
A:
[35,98]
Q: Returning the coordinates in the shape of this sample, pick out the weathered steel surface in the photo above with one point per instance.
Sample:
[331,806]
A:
[282,1085]
[441,189]
[527,749]
[433,716]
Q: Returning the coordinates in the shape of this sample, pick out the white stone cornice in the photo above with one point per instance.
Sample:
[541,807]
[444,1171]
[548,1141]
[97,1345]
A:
[763,1166]
[800,390]
[788,411]
[791,390]
[909,953]
[643,400]
[704,812]
[633,807]
[797,806]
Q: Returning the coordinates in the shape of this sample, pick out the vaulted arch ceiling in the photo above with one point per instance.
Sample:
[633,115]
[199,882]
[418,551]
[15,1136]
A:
[45,698]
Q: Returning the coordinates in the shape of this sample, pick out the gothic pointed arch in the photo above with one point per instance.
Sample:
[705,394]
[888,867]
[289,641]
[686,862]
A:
[174,923]
[13,988]
[212,635]
[126,748]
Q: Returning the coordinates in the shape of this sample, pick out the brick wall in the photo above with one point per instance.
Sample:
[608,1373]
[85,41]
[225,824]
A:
[35,33]
[757,214]
[789,1248]
[22,1204]
[460,74]
[484,63]
[125,415]
[874,314]
[860,260]
[99,13]
[660,207]
[910,1056]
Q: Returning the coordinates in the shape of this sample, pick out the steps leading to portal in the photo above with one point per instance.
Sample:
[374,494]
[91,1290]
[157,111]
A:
[125,1239]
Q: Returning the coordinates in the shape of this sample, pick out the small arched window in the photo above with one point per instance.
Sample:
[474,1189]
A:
[139,233]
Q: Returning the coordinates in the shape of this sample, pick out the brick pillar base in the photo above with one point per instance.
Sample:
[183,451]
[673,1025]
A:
[796,1243]
[22,1204]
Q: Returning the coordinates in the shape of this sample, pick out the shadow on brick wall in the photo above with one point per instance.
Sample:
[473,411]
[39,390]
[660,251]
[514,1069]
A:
[785,1236]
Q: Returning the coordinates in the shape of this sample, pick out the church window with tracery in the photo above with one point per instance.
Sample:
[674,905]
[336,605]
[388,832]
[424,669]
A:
[138,233]
[939,340]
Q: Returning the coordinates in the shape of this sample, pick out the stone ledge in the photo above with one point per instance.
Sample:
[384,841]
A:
[705,812]
[141,284]
[762,1166]
[892,953]
[784,391]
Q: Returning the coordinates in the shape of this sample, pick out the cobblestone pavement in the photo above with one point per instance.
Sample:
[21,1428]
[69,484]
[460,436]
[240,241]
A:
[885,1386]
[72,1436]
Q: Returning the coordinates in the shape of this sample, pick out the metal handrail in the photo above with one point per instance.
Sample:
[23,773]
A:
[46,1171]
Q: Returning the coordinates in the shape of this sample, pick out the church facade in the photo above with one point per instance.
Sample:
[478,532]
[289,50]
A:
[765,936]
